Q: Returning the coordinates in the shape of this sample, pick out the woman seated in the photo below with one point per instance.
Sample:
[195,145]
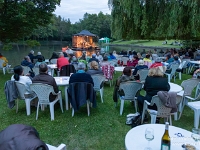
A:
[153,84]
[139,66]
[133,62]
[24,79]
[126,76]
[94,69]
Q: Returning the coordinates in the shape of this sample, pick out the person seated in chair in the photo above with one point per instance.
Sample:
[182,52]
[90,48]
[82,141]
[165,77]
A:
[139,66]
[152,85]
[94,69]
[24,79]
[81,75]
[40,56]
[62,61]
[93,59]
[45,78]
[31,55]
[27,62]
[126,76]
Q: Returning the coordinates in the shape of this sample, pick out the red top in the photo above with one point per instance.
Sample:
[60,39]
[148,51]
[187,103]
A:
[132,63]
[62,61]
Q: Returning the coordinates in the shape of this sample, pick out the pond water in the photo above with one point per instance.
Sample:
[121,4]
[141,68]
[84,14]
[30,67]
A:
[15,56]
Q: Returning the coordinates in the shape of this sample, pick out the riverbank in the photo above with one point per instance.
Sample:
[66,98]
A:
[146,44]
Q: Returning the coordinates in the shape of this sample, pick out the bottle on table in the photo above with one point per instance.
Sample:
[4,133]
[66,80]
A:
[165,141]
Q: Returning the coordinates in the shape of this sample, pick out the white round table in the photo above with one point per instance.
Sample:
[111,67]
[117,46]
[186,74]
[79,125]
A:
[135,138]
[119,69]
[52,67]
[63,81]
[175,87]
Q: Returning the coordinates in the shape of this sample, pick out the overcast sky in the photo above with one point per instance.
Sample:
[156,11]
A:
[75,9]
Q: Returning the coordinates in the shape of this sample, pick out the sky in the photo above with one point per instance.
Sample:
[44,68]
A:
[75,9]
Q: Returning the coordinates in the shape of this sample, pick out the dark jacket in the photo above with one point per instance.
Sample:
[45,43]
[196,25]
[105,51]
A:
[153,84]
[26,63]
[20,137]
[93,59]
[31,56]
[81,77]
[67,69]
[79,93]
[138,67]
[47,79]
[11,93]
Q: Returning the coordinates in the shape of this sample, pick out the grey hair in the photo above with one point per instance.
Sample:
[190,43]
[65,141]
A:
[81,66]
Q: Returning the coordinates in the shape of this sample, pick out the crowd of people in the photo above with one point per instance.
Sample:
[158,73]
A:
[136,61]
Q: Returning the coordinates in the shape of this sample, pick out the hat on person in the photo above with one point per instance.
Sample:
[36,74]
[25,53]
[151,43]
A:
[158,60]
[39,53]
[93,55]
[81,65]
[141,62]
[32,51]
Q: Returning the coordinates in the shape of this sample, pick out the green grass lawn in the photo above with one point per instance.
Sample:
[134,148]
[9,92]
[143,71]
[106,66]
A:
[154,43]
[104,129]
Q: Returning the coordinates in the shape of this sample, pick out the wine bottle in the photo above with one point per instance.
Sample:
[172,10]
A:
[165,141]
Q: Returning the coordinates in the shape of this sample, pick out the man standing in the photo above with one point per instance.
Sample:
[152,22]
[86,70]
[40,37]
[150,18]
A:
[81,76]
[45,78]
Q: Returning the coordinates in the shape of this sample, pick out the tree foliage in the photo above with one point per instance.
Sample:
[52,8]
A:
[18,18]
[155,19]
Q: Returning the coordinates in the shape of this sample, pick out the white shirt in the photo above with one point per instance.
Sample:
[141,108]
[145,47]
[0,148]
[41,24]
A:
[26,81]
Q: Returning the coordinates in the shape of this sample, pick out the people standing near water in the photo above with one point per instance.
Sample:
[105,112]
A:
[5,63]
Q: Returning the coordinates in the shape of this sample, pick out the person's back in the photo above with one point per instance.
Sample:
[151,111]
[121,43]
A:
[62,61]
[81,75]
[27,62]
[45,78]
[94,69]
[93,59]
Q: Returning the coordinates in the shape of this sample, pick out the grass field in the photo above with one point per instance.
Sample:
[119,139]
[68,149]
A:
[104,129]
[155,43]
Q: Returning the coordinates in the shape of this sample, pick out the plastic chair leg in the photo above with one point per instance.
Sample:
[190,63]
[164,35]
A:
[169,77]
[101,93]
[153,118]
[52,111]
[37,110]
[121,106]
[135,103]
[61,104]
[88,108]
[179,74]
[196,118]
[28,107]
[72,112]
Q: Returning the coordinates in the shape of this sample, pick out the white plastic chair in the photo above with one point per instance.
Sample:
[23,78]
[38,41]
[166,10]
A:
[143,73]
[188,86]
[21,91]
[36,70]
[162,110]
[180,67]
[26,69]
[124,60]
[43,91]
[130,89]
[196,107]
[98,81]
[108,72]
[170,75]
[60,147]
[53,61]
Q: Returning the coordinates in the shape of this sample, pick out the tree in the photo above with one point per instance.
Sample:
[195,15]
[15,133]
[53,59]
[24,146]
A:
[155,19]
[18,18]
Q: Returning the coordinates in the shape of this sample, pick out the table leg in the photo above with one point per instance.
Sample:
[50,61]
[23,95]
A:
[66,98]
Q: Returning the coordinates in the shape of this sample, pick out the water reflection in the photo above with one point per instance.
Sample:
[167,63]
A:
[15,56]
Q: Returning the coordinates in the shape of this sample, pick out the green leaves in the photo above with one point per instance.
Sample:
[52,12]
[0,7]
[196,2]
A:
[19,18]
[150,19]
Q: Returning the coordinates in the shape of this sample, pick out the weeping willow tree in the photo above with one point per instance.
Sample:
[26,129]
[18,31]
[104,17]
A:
[155,19]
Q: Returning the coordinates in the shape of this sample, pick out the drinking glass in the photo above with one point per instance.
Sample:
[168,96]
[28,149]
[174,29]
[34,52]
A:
[149,135]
